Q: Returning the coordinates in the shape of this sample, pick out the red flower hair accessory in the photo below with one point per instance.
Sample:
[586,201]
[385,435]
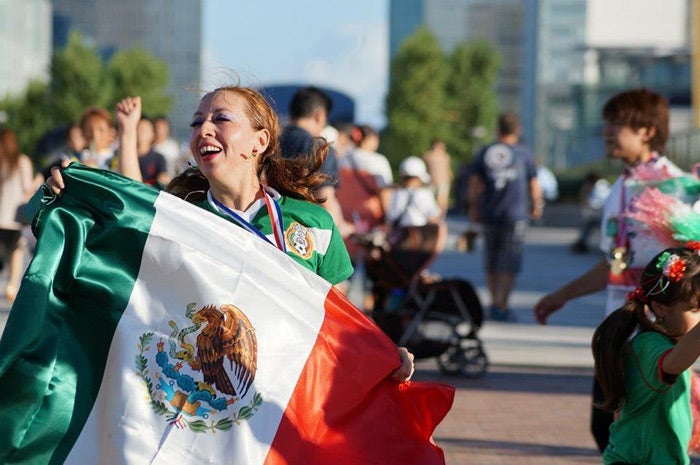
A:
[672,266]
[637,294]
[693,245]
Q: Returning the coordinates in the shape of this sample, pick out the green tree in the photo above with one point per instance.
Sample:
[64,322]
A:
[27,116]
[78,80]
[471,103]
[416,100]
[136,72]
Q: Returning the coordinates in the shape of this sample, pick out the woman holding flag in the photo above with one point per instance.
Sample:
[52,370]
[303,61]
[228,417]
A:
[147,330]
[241,177]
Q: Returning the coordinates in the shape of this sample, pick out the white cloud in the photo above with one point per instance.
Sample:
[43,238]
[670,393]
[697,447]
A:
[643,23]
[327,46]
[354,59]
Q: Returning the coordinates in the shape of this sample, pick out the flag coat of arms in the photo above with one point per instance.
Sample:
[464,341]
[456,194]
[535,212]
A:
[149,331]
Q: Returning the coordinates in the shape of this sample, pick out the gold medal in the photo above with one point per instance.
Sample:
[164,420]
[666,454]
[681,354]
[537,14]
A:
[619,260]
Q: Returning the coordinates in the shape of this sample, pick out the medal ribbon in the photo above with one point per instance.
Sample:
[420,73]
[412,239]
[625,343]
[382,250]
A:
[273,211]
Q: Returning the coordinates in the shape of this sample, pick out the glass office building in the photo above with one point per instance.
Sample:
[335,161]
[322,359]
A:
[169,29]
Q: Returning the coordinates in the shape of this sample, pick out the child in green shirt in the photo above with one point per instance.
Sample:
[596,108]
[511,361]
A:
[643,352]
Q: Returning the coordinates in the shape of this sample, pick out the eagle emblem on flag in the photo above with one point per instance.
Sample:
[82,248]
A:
[205,371]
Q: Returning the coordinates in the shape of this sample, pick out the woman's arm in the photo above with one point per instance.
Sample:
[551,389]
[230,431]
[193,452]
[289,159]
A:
[128,115]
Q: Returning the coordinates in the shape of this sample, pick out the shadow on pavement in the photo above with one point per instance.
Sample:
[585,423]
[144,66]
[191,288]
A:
[534,380]
[519,449]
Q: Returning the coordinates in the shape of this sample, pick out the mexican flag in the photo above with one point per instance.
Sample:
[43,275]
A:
[147,330]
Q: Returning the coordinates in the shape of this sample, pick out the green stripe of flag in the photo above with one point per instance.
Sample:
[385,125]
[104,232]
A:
[68,306]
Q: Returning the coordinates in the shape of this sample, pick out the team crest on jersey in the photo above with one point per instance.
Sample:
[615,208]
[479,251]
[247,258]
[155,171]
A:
[299,239]
[201,377]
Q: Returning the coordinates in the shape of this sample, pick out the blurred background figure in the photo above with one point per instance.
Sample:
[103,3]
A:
[592,195]
[97,125]
[504,194]
[330,133]
[439,168]
[76,144]
[166,145]
[153,165]
[364,174]
[16,187]
[344,142]
[308,115]
[409,206]
[412,203]
[548,182]
[75,149]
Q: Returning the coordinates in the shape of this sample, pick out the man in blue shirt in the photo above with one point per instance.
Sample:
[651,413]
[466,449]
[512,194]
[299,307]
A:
[503,195]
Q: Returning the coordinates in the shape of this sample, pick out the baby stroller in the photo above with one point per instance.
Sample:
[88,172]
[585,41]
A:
[429,316]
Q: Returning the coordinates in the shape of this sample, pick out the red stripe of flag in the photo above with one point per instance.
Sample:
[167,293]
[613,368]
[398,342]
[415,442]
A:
[346,410]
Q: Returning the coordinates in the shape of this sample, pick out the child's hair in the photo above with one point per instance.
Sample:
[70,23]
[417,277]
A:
[640,108]
[672,276]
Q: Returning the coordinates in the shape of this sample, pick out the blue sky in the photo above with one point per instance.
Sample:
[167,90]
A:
[342,45]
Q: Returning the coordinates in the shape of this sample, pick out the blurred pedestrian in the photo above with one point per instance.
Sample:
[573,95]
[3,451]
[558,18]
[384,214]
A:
[308,114]
[97,125]
[410,206]
[76,144]
[503,195]
[164,144]
[153,165]
[16,187]
[345,141]
[636,130]
[364,174]
[592,196]
[548,181]
[412,203]
[75,149]
[439,167]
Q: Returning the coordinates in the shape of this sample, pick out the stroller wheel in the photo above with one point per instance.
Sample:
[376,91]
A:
[470,362]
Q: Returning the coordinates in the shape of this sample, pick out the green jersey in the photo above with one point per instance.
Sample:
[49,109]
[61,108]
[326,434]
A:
[311,237]
[655,422]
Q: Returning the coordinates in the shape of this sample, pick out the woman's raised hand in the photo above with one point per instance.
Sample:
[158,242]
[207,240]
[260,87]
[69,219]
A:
[128,112]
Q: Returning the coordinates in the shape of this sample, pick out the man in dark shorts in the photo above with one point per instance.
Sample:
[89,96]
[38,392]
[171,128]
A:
[503,195]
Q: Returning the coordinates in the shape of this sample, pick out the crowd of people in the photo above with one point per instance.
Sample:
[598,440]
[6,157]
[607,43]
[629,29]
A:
[333,177]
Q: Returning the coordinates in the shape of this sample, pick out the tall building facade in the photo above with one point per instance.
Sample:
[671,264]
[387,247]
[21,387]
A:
[25,44]
[405,17]
[560,59]
[541,43]
[169,29]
